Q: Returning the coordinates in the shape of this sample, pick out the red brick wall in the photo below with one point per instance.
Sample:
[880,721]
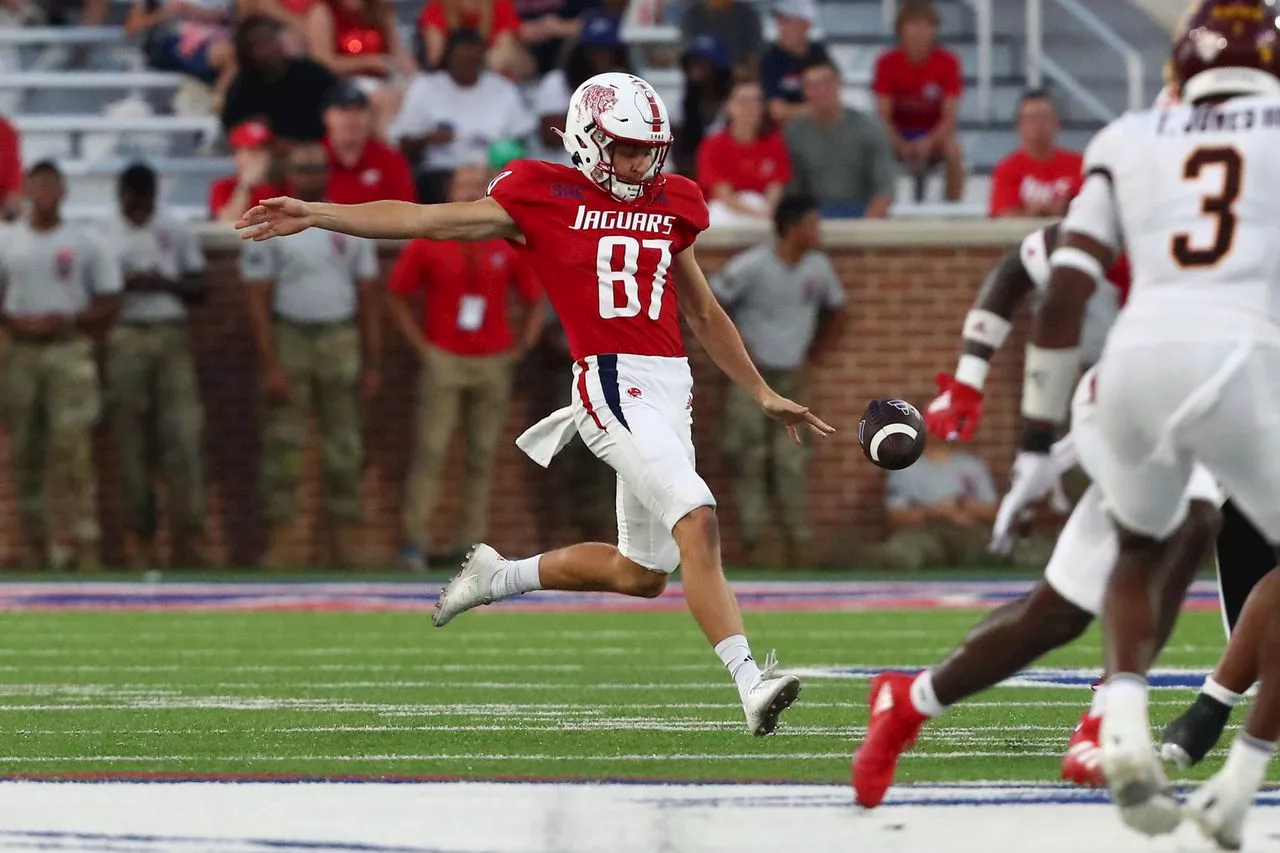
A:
[905,308]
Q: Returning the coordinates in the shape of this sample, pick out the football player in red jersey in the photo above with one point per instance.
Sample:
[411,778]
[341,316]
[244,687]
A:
[611,239]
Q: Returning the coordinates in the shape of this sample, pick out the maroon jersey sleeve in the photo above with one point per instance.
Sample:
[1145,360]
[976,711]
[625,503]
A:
[685,200]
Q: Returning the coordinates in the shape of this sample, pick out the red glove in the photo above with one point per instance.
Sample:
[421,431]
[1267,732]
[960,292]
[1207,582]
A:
[955,412]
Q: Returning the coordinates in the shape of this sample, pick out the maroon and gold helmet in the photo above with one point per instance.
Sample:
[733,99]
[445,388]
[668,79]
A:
[1228,47]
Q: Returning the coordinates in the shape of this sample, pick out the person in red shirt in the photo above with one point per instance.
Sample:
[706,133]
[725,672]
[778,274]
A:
[468,356]
[743,168]
[359,40]
[611,239]
[918,86]
[496,20]
[361,167]
[1038,179]
[10,171]
[230,197]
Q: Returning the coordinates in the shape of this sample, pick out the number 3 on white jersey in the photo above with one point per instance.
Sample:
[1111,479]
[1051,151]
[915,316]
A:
[611,275]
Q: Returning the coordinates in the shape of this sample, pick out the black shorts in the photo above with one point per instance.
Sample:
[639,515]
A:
[1244,558]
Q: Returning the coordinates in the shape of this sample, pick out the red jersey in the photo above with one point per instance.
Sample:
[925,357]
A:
[10,160]
[352,34]
[918,90]
[1019,180]
[465,285]
[745,166]
[379,173]
[505,19]
[605,264]
[221,190]
[1121,276]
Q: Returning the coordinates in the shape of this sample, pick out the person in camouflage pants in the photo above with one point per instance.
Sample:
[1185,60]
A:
[313,304]
[783,296]
[60,286]
[150,368]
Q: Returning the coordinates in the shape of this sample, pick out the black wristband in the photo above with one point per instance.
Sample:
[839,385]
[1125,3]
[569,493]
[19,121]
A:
[1037,438]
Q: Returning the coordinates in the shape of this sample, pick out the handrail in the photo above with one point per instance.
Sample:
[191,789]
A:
[1038,63]
[61,35]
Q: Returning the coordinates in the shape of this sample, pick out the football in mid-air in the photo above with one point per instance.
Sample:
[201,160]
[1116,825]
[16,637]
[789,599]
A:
[891,433]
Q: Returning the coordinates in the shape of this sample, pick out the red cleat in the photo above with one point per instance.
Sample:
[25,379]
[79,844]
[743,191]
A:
[1082,765]
[891,731]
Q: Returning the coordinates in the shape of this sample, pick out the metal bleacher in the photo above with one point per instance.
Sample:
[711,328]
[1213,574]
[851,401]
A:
[111,107]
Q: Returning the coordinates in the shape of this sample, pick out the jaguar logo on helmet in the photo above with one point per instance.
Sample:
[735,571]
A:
[599,100]
[1227,48]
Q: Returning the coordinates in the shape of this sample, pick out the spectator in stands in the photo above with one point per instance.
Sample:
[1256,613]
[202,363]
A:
[230,197]
[313,305]
[151,372]
[284,94]
[451,117]
[577,489]
[940,512]
[839,156]
[67,13]
[784,61]
[190,38]
[733,23]
[708,79]
[468,355]
[1039,178]
[360,40]
[291,15]
[361,167]
[918,86]
[61,285]
[743,168]
[599,49]
[10,171]
[783,297]
[494,20]
[547,27]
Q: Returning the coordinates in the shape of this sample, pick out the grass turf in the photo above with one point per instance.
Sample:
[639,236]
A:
[502,694]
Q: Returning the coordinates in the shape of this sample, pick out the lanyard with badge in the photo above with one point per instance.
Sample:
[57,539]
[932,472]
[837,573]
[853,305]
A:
[472,306]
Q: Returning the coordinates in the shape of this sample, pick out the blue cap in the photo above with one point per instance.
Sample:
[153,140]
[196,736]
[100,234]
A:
[600,29]
[710,49]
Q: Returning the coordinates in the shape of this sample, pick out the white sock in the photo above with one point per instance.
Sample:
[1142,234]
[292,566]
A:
[1216,691]
[923,698]
[735,654]
[516,577]
[1099,704]
[1127,697]
[1248,759]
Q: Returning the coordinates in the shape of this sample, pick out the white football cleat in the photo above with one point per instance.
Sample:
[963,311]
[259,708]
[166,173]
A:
[1219,807]
[770,696]
[471,587]
[1136,778]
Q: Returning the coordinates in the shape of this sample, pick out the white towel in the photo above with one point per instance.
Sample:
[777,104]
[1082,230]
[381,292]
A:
[542,441]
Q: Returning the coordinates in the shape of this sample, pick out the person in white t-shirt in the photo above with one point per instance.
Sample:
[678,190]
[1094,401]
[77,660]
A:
[599,49]
[451,117]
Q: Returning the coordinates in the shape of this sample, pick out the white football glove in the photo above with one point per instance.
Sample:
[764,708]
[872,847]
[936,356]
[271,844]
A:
[1035,475]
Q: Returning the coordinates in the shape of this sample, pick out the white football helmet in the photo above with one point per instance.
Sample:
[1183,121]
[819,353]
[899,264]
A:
[611,107]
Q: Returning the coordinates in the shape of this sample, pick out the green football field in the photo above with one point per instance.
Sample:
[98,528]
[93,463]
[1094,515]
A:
[503,693]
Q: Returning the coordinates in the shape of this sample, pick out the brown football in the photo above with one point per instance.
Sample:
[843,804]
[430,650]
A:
[891,433]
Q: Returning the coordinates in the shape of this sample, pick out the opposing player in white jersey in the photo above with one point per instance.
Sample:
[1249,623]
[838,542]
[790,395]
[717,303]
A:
[1060,607]
[603,237]
[1190,373]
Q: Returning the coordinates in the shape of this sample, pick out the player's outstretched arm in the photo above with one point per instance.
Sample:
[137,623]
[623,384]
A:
[391,220]
[957,410]
[712,326]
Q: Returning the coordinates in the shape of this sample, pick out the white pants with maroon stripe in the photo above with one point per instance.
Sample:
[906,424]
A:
[636,413]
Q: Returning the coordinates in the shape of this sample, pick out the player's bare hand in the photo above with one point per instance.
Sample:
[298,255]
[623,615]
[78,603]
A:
[794,415]
[275,217]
